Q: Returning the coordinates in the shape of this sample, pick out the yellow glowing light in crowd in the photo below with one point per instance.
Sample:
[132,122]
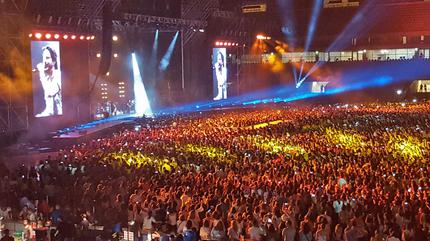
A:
[138,160]
[209,152]
[273,146]
[262,125]
[258,126]
[346,140]
[409,147]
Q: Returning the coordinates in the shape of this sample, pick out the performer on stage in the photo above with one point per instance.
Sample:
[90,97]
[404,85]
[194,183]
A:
[221,76]
[50,77]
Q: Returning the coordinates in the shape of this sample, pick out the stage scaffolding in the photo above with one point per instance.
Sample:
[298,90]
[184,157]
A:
[13,66]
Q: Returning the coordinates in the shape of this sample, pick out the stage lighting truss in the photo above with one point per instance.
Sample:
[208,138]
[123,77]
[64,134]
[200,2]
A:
[169,23]
[122,24]
[151,22]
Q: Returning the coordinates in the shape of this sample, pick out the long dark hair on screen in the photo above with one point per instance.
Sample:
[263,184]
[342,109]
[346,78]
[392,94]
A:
[53,55]
[222,57]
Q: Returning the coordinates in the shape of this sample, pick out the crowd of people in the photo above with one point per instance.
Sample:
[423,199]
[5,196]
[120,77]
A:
[290,173]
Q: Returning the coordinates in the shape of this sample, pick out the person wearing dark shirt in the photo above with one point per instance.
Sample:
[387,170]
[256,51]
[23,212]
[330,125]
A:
[190,234]
[6,236]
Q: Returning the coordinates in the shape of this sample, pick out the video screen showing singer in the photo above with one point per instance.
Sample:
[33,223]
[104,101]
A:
[220,73]
[46,78]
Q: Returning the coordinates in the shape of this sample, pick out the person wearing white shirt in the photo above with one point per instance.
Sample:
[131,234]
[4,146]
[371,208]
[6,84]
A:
[50,78]
[221,77]
[205,231]
[337,205]
[255,232]
[147,223]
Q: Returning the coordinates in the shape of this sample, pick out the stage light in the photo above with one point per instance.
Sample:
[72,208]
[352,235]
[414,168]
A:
[164,63]
[403,104]
[360,21]
[201,30]
[73,37]
[88,37]
[48,36]
[107,74]
[225,43]
[313,23]
[399,92]
[65,36]
[142,105]
[216,43]
[263,37]
[30,35]
[229,44]
[115,55]
[155,44]
[56,36]
[98,55]
[93,37]
[82,37]
[154,59]
[38,35]
[115,38]
[414,100]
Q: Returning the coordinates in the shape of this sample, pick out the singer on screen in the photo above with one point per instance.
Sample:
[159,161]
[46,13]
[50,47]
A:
[221,76]
[50,78]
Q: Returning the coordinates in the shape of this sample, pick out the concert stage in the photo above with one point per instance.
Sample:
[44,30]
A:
[91,130]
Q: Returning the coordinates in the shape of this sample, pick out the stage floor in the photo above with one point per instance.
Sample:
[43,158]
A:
[93,127]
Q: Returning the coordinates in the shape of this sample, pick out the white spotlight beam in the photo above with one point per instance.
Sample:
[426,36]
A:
[142,105]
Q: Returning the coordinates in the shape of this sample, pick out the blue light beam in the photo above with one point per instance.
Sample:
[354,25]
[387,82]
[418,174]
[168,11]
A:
[311,31]
[363,78]
[155,45]
[154,51]
[313,23]
[164,63]
[286,9]
[361,20]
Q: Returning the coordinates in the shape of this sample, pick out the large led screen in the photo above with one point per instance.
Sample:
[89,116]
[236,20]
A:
[318,87]
[47,81]
[219,63]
